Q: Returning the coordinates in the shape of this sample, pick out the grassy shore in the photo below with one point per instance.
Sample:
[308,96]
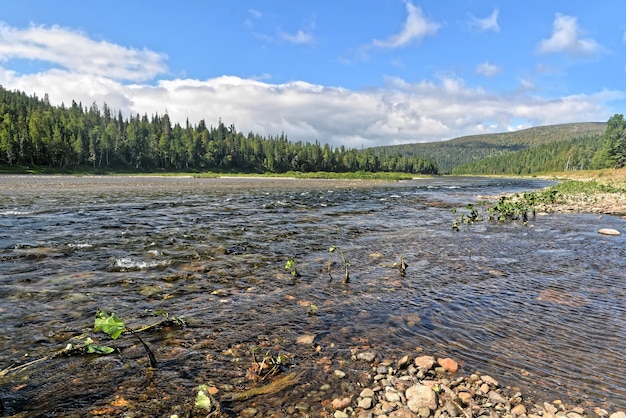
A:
[588,191]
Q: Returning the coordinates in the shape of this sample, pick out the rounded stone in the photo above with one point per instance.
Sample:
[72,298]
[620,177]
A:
[365,403]
[609,231]
[518,410]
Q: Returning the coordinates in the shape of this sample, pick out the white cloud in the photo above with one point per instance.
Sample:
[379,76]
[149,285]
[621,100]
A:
[399,112]
[566,38]
[300,37]
[415,28]
[73,50]
[487,69]
[488,23]
[396,112]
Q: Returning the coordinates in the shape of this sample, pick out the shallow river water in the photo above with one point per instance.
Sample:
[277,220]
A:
[541,307]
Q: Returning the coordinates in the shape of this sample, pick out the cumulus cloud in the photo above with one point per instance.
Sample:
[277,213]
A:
[487,69]
[488,23]
[415,28]
[73,50]
[566,39]
[398,112]
[395,112]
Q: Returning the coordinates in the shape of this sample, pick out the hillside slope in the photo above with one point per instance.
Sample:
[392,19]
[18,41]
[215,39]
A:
[468,149]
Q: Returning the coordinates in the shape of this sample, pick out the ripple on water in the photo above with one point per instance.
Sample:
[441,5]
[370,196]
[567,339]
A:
[541,306]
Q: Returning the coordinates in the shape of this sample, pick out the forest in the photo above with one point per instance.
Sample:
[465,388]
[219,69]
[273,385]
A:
[467,150]
[606,150]
[35,133]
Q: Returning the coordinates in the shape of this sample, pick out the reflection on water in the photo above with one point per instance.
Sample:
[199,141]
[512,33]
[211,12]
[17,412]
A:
[539,306]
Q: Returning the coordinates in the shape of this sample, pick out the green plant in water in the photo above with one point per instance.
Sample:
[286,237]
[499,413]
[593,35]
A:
[312,309]
[401,266]
[291,266]
[466,219]
[112,325]
[346,264]
[269,366]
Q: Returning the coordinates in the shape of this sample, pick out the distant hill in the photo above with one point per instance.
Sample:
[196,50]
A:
[470,149]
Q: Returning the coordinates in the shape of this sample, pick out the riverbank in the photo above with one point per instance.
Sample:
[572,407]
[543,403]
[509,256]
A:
[602,192]
[425,386]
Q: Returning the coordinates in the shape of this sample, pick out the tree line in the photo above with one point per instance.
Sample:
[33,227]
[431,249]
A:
[607,150]
[474,148]
[33,132]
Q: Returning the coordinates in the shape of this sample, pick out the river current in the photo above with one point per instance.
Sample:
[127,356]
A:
[540,307]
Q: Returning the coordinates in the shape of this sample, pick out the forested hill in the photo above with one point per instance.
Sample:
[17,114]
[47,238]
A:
[35,133]
[470,149]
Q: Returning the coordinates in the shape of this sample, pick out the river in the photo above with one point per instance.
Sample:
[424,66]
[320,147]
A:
[540,307]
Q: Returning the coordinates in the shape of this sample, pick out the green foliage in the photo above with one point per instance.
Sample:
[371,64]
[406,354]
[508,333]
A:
[291,266]
[574,154]
[469,218]
[519,207]
[615,142]
[92,348]
[203,399]
[35,133]
[110,324]
[470,149]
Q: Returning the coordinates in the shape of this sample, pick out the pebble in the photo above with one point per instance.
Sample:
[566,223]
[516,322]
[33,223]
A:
[367,356]
[427,387]
[609,231]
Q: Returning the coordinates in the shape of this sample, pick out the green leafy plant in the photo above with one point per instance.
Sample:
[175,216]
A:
[346,264]
[112,325]
[291,266]
[312,309]
[401,266]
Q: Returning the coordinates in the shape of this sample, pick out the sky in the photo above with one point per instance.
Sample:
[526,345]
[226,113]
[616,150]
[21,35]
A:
[353,73]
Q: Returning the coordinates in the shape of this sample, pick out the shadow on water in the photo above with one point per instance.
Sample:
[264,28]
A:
[541,306]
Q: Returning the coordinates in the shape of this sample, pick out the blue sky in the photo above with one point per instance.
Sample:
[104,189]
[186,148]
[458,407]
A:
[359,74]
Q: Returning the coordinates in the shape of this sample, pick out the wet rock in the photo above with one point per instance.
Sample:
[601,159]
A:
[342,403]
[306,339]
[402,413]
[609,231]
[619,414]
[465,397]
[421,396]
[404,362]
[424,362]
[368,356]
[367,393]
[518,410]
[392,395]
[448,364]
[489,380]
[495,397]
[248,413]
[365,403]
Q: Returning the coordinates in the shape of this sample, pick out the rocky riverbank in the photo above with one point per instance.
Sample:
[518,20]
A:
[428,387]
[366,386]
[600,203]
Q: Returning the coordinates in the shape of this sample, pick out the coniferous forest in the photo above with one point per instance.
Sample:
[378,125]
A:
[34,132]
